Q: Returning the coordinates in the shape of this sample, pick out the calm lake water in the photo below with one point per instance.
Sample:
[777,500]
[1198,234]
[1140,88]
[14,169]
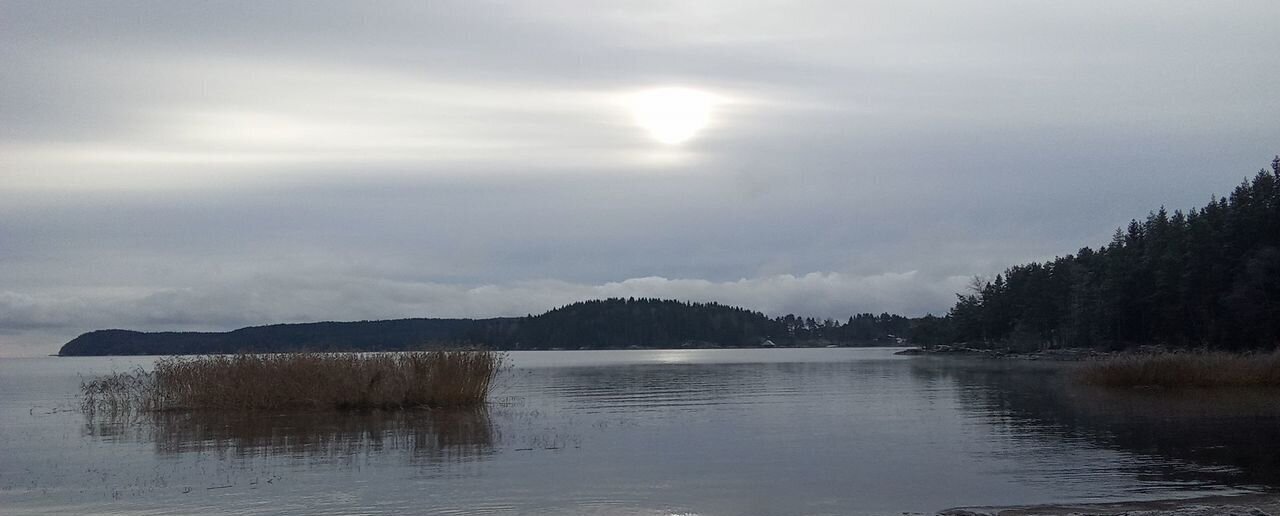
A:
[706,432]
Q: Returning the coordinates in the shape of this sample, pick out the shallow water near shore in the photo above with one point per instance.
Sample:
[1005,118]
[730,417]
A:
[709,432]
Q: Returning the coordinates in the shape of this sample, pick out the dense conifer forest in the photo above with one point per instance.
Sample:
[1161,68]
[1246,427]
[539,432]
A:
[1204,278]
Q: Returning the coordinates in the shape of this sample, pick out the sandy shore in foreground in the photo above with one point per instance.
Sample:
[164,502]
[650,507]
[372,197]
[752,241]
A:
[1259,504]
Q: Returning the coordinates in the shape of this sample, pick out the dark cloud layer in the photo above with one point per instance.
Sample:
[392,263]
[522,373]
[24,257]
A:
[211,165]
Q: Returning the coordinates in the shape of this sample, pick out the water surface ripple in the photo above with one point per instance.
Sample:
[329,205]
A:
[707,432]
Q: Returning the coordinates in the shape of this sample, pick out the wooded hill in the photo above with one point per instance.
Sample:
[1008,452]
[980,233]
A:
[600,324]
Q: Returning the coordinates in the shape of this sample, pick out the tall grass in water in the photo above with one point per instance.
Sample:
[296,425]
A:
[433,379]
[118,393]
[1173,370]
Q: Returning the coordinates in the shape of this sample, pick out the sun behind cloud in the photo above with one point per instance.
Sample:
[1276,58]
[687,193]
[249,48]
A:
[671,115]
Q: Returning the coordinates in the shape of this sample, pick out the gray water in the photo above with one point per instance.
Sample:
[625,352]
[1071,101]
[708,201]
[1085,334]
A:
[707,432]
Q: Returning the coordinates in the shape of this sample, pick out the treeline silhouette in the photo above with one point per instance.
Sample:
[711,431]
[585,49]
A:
[599,324]
[1205,278]
[614,323]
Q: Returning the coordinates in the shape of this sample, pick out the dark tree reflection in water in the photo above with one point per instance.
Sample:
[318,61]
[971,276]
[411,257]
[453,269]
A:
[1200,436]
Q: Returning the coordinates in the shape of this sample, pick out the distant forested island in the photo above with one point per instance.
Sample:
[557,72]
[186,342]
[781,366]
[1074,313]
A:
[1205,278]
[599,324]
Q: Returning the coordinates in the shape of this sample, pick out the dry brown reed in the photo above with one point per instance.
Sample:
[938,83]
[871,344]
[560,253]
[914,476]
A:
[1176,370]
[307,381]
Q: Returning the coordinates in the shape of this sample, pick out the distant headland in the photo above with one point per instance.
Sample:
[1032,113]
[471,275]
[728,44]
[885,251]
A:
[613,323]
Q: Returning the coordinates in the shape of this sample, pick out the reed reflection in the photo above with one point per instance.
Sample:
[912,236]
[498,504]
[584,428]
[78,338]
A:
[421,436]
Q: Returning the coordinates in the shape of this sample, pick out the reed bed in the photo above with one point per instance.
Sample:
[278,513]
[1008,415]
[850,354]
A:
[118,394]
[307,381]
[1175,370]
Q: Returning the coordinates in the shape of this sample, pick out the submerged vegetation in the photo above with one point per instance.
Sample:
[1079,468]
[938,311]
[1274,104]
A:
[1178,370]
[305,381]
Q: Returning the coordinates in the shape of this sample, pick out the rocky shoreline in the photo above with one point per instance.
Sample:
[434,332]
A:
[1258,504]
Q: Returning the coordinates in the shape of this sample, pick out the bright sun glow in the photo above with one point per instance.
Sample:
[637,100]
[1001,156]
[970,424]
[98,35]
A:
[673,115]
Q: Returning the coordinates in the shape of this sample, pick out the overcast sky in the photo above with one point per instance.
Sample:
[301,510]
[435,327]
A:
[211,165]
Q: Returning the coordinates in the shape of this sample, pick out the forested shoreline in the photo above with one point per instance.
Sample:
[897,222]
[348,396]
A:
[598,324]
[1205,278]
